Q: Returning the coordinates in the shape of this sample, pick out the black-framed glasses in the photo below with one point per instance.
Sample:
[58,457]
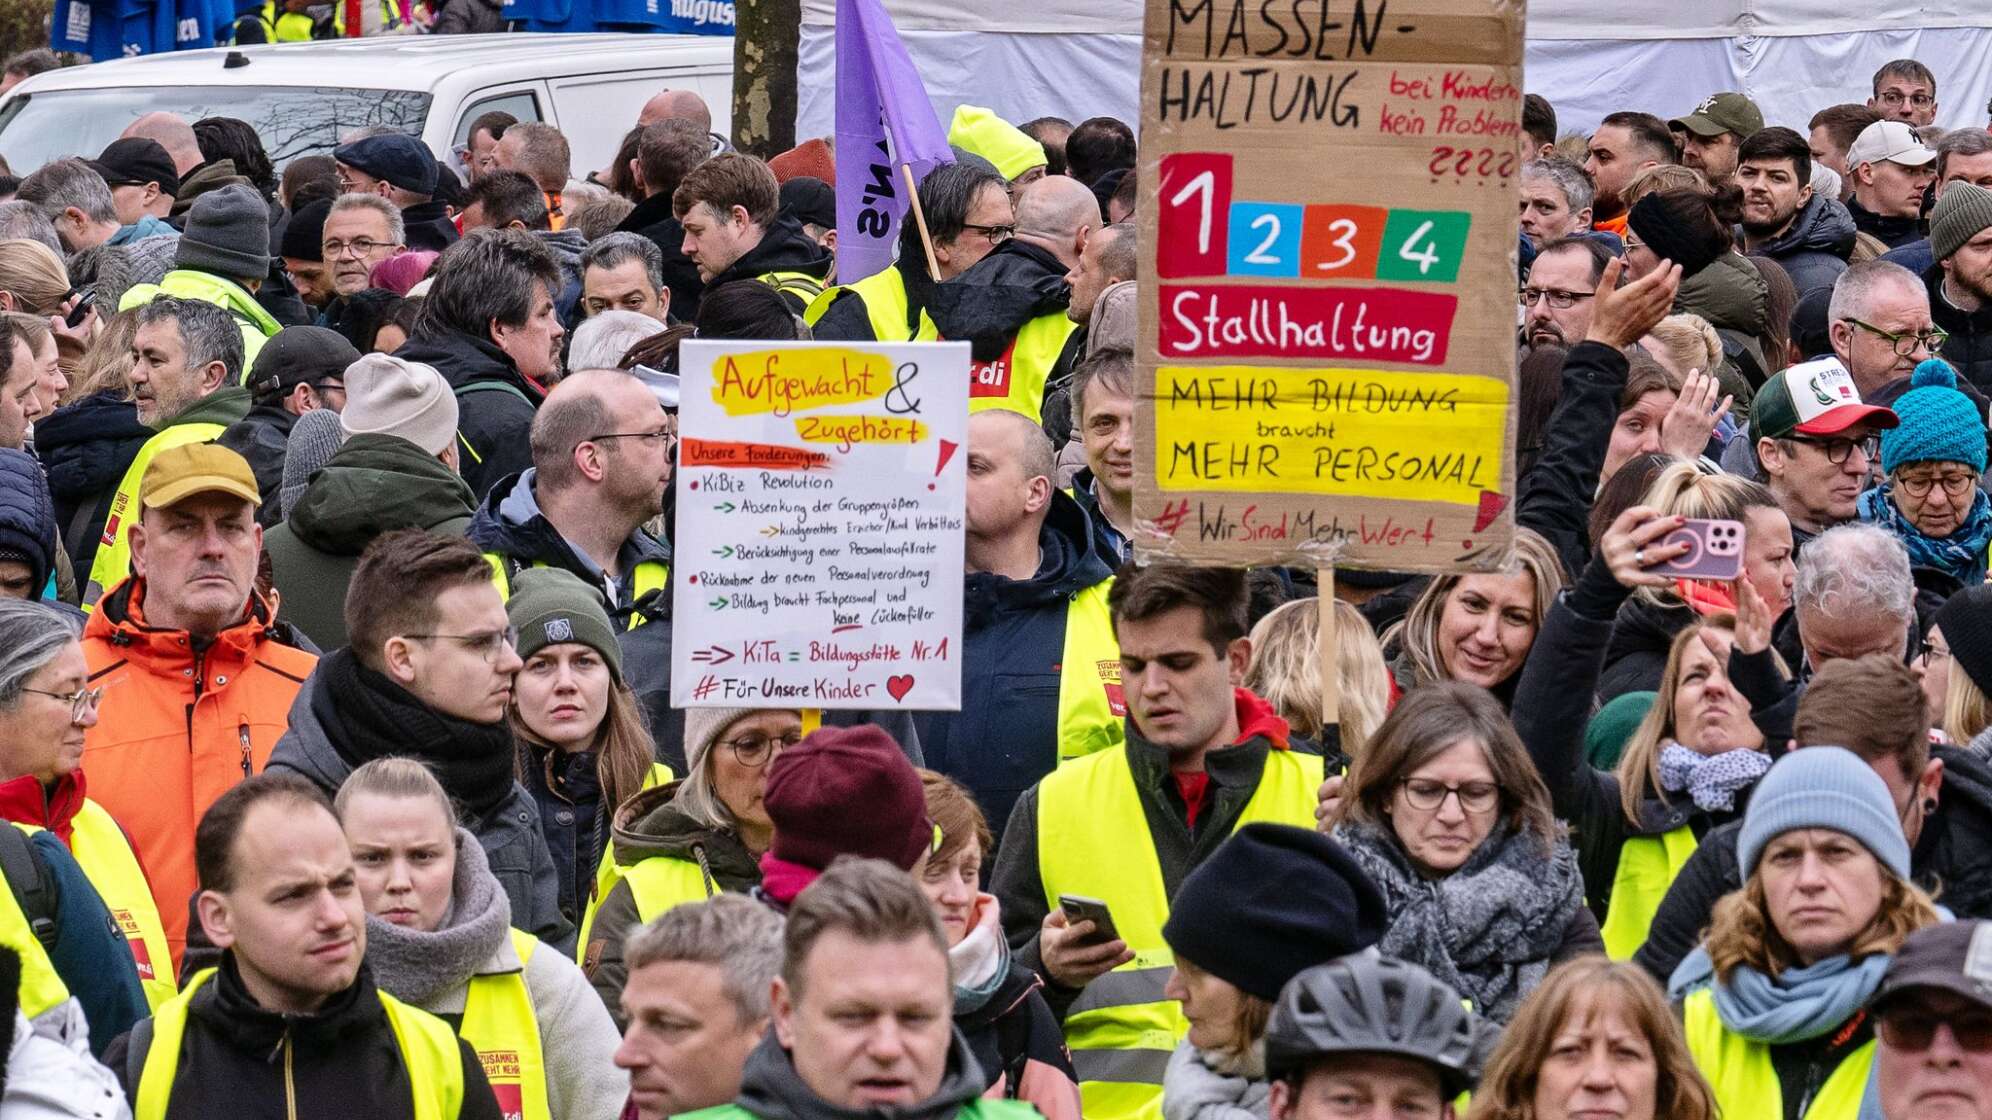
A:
[754,749]
[665,434]
[1838,450]
[1905,343]
[993,233]
[1427,794]
[1919,486]
[1895,97]
[488,643]
[1558,299]
[1904,1029]
[329,386]
[81,702]
[359,247]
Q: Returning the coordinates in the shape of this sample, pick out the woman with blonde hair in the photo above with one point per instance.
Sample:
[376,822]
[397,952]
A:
[1286,673]
[440,936]
[1774,1002]
[32,278]
[1687,344]
[1477,627]
[89,443]
[1448,817]
[1596,1039]
[1692,759]
[1653,616]
[1967,714]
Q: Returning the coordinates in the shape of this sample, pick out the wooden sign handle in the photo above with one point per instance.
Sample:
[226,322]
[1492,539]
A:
[1331,677]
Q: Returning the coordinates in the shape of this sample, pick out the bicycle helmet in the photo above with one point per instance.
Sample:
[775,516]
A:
[1368,1004]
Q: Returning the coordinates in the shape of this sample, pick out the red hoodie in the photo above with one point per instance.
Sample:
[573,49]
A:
[23,801]
[1256,717]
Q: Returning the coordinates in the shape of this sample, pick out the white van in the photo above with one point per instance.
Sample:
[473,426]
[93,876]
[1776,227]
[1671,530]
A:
[302,97]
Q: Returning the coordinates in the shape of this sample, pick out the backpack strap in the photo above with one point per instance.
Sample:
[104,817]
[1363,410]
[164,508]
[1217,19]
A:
[27,876]
[137,1045]
[462,391]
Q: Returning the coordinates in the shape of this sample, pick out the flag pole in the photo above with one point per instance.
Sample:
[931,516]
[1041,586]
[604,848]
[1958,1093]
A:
[920,219]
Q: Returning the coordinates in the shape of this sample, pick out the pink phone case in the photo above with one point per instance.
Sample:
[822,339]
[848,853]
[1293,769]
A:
[1716,550]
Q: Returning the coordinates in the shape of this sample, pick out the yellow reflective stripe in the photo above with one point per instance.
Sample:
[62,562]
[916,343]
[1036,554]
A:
[1091,710]
[1123,988]
[1739,1070]
[1647,866]
[101,849]
[1141,1066]
[41,986]
[113,560]
[500,1024]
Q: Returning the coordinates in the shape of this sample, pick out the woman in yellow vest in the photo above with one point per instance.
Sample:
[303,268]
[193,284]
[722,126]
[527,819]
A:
[583,748]
[1691,763]
[690,840]
[1775,1000]
[439,936]
[1448,818]
[42,784]
[1596,1039]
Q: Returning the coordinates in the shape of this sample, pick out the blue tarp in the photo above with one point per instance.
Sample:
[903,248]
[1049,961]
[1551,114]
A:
[678,17]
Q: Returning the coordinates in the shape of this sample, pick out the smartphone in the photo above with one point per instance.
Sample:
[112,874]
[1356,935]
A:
[1078,908]
[82,309]
[1715,550]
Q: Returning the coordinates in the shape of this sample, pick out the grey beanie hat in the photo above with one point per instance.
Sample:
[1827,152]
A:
[314,439]
[552,606]
[1964,211]
[392,396]
[703,727]
[1823,787]
[228,234]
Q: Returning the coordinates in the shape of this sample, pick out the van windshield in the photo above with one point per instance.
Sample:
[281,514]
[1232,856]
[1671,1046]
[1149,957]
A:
[292,120]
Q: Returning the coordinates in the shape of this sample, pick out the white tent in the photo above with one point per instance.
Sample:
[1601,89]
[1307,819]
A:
[1081,58]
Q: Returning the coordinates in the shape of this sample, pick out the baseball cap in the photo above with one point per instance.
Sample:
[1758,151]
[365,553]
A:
[1893,141]
[300,356]
[1815,398]
[810,200]
[181,472]
[136,161]
[1720,113]
[1953,956]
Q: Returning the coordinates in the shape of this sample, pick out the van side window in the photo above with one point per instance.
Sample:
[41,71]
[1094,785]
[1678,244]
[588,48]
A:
[519,102]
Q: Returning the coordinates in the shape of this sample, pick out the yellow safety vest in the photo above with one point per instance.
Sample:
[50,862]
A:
[656,884]
[1648,865]
[884,294]
[428,1052]
[801,285]
[651,575]
[500,1024]
[1093,840]
[286,27]
[1746,1085]
[1092,709]
[113,560]
[1016,379]
[41,986]
[101,849]
[608,871]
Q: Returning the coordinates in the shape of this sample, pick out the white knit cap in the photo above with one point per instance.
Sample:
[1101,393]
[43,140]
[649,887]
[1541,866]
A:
[388,396]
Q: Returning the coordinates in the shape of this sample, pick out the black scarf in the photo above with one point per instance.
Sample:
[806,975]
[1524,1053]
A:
[369,716]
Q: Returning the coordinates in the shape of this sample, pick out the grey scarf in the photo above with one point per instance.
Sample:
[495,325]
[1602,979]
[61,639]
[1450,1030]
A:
[420,968]
[1489,928]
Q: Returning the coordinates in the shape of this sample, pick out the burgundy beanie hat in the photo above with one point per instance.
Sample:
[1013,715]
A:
[847,791]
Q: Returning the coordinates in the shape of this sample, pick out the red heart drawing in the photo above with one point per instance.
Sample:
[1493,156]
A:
[899,686]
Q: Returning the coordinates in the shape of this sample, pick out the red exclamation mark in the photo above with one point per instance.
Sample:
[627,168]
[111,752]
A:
[947,452]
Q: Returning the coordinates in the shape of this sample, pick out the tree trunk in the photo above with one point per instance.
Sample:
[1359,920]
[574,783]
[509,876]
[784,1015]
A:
[766,34]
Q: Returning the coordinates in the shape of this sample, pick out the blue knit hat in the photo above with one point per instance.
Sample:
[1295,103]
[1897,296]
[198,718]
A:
[1823,787]
[1939,424]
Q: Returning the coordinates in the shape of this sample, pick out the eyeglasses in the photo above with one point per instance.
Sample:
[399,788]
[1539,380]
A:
[1918,486]
[1632,243]
[1910,1030]
[669,437]
[81,702]
[1560,300]
[1906,343]
[1838,451]
[1932,655]
[329,386]
[753,750]
[993,233]
[1427,795]
[488,644]
[1894,99]
[359,247]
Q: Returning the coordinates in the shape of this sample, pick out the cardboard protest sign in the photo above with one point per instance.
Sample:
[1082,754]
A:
[1328,230]
[820,503]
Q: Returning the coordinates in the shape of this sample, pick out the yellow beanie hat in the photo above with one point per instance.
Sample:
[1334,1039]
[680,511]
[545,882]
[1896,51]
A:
[987,135]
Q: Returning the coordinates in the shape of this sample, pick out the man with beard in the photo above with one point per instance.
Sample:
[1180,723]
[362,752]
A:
[1809,234]
[1960,284]
[1556,303]
[1624,145]
[1712,133]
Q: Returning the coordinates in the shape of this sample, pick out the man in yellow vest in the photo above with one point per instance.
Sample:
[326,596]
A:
[1934,1017]
[1117,832]
[968,215]
[186,377]
[1040,670]
[1011,305]
[290,1024]
[222,258]
[734,230]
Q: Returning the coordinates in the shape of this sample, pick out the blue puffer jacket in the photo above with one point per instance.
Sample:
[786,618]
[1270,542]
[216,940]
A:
[27,517]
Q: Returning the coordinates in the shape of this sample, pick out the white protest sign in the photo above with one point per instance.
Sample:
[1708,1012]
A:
[820,518]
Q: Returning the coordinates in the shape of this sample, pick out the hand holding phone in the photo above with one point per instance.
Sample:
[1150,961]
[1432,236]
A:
[1078,908]
[1715,550]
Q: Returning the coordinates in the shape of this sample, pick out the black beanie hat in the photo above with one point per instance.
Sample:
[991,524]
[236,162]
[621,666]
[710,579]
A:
[1966,620]
[1270,903]
[304,236]
[1676,225]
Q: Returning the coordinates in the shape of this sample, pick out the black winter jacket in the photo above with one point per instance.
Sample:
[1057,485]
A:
[1642,635]
[987,305]
[1892,232]
[652,218]
[262,437]
[1555,498]
[1815,247]
[87,446]
[783,248]
[429,226]
[1949,859]
[495,404]
[238,1059]
[1969,350]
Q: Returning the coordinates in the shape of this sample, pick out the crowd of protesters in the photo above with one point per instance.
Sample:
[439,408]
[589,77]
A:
[336,547]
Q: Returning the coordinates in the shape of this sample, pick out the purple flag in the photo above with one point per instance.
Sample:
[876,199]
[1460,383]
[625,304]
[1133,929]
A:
[884,120]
